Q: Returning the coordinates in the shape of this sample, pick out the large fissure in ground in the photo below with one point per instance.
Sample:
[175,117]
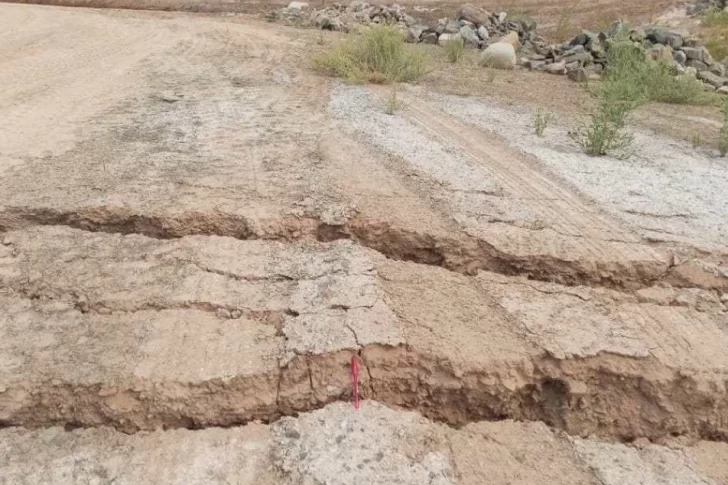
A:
[608,396]
[460,253]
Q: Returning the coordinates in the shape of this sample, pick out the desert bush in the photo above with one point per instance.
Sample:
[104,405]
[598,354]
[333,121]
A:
[715,18]
[630,80]
[391,104]
[378,55]
[454,49]
[541,121]
[697,140]
[563,25]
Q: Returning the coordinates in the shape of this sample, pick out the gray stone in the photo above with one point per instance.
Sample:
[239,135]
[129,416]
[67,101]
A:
[679,57]
[473,14]
[502,17]
[483,33]
[636,35]
[693,53]
[722,90]
[556,68]
[583,38]
[527,23]
[297,5]
[534,64]
[698,65]
[409,20]
[413,34]
[452,27]
[469,36]
[664,37]
[707,58]
[429,38]
[583,58]
[712,79]
[577,49]
[577,75]
[718,69]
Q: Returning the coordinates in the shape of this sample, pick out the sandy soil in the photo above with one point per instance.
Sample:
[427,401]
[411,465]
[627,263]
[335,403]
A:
[197,231]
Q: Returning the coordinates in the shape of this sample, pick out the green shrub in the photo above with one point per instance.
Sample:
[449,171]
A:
[391,105]
[378,55]
[541,121]
[697,140]
[716,18]
[630,80]
[454,49]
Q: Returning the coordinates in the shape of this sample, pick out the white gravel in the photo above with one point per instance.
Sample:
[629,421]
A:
[365,115]
[667,190]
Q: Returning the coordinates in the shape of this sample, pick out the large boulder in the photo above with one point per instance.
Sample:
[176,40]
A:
[510,38]
[501,55]
[473,14]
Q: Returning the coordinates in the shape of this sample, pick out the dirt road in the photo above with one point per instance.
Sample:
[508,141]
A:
[199,232]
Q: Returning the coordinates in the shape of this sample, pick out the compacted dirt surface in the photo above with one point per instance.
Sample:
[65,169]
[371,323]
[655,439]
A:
[198,235]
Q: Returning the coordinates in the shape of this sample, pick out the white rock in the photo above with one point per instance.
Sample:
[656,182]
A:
[447,37]
[297,5]
[500,55]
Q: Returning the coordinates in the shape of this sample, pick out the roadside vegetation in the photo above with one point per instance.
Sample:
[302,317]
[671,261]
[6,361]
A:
[454,49]
[378,55]
[630,80]
[541,121]
[715,32]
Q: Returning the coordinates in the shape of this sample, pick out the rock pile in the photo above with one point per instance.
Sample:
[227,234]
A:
[587,52]
[343,17]
[475,26]
[582,58]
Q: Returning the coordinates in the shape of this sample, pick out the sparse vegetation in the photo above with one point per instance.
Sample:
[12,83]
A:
[563,26]
[715,32]
[378,55]
[541,121]
[391,105]
[630,80]
[491,75]
[454,49]
[723,142]
[697,140]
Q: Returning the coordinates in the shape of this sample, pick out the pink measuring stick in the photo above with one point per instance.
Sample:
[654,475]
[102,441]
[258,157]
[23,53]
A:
[355,380]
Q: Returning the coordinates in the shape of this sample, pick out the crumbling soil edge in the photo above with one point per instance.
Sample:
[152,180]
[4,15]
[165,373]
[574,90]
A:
[609,396]
[459,253]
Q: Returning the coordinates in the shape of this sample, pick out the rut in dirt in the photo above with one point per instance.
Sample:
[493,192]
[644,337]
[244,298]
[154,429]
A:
[460,253]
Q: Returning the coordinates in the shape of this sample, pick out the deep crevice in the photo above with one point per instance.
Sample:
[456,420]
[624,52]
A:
[459,253]
[580,396]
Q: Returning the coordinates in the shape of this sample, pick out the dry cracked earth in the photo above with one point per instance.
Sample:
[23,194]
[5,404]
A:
[199,233]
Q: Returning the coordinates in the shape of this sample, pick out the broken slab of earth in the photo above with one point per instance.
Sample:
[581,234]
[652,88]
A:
[191,259]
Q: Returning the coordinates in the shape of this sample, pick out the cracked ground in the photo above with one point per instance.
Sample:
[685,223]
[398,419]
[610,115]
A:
[198,234]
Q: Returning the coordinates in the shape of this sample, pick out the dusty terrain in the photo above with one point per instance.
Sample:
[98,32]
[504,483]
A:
[198,233]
